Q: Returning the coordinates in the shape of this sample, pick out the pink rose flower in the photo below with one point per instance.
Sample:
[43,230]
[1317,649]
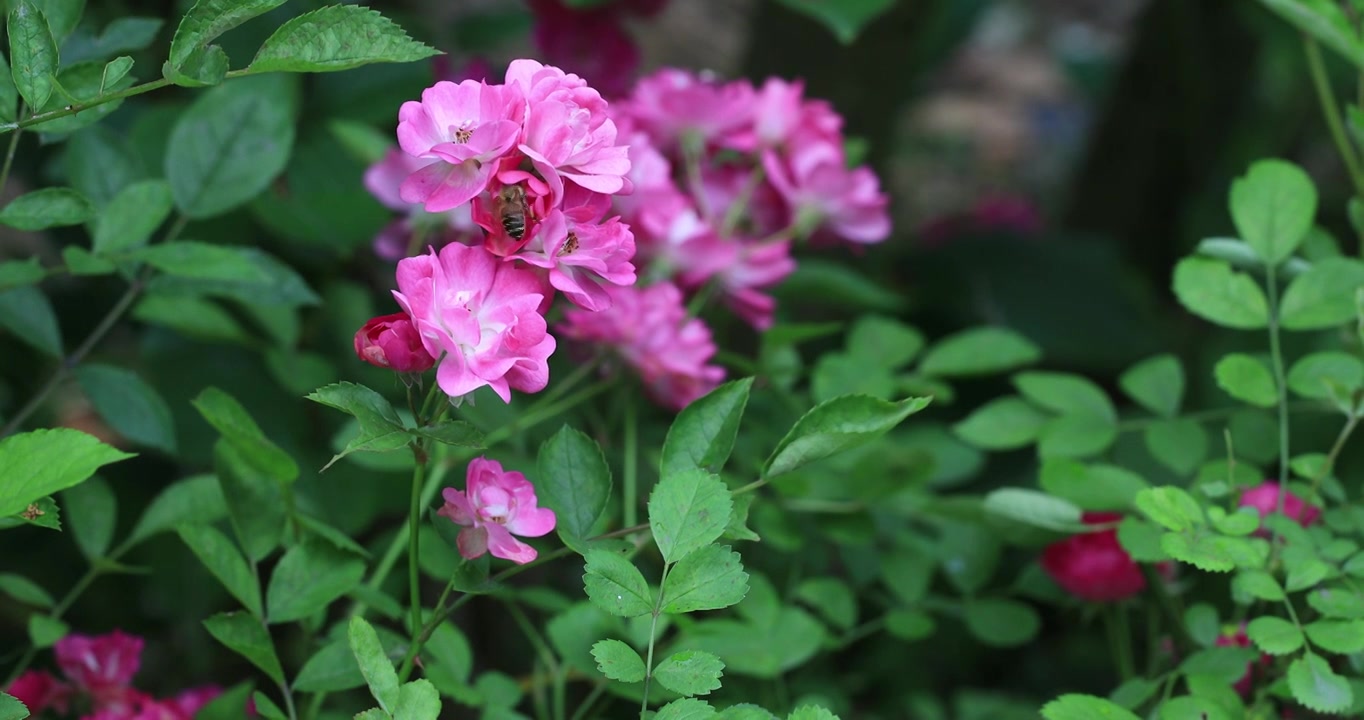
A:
[496,505]
[392,342]
[743,269]
[102,666]
[1093,566]
[1265,499]
[590,42]
[384,179]
[581,252]
[191,701]
[480,316]
[675,106]
[568,134]
[39,691]
[466,128]
[650,331]
[823,193]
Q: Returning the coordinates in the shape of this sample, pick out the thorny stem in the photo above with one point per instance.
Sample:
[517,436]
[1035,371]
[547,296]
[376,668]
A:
[106,324]
[1331,111]
[653,628]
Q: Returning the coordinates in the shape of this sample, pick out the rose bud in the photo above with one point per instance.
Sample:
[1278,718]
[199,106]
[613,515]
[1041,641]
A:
[1265,499]
[392,342]
[1094,566]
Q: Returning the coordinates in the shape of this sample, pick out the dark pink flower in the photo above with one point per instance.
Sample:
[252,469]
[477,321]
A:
[392,342]
[589,42]
[1240,639]
[675,106]
[480,316]
[495,506]
[1093,566]
[743,269]
[102,666]
[39,691]
[466,128]
[649,329]
[581,257]
[1265,499]
[824,193]
[191,701]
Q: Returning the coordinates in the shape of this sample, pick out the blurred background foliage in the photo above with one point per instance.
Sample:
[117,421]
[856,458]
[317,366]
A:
[1048,161]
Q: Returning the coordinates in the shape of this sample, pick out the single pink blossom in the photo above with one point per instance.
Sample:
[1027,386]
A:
[392,342]
[743,269]
[1265,499]
[761,211]
[824,193]
[39,690]
[495,505]
[675,106]
[582,257]
[649,329]
[467,127]
[480,317]
[776,114]
[102,666]
[568,134]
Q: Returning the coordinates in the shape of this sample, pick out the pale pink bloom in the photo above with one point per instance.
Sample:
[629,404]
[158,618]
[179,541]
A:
[743,269]
[776,114]
[383,180]
[496,505]
[568,134]
[39,690]
[650,331]
[467,127]
[580,258]
[480,317]
[822,192]
[590,42]
[672,238]
[678,106]
[1265,499]
[102,666]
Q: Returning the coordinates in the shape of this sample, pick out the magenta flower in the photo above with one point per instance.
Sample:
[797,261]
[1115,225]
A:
[650,331]
[568,134]
[743,270]
[392,342]
[677,106]
[190,702]
[102,666]
[580,258]
[1094,566]
[384,179]
[467,128]
[495,506]
[480,317]
[39,691]
[590,42]
[824,193]
[1265,499]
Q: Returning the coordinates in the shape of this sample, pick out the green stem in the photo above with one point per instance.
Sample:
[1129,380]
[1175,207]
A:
[1120,640]
[1280,379]
[597,691]
[1201,416]
[413,535]
[1331,111]
[653,629]
[552,666]
[742,201]
[1336,449]
[631,479]
[102,99]
[288,701]
[1183,640]
[9,155]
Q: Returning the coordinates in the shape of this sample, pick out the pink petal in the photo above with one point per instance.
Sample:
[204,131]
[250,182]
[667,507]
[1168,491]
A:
[473,542]
[532,522]
[501,544]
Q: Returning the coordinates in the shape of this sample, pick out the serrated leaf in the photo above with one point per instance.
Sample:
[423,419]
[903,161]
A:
[575,482]
[225,562]
[33,52]
[691,672]
[47,208]
[979,351]
[42,462]
[1084,707]
[618,661]
[1171,507]
[337,37]
[1261,585]
[837,425]
[417,700]
[687,511]
[210,18]
[1315,685]
[245,635]
[708,579]
[1274,635]
[685,709]
[1273,206]
[374,664]
[1210,289]
[615,585]
[1345,637]
[308,578]
[1156,384]
[703,434]
[230,419]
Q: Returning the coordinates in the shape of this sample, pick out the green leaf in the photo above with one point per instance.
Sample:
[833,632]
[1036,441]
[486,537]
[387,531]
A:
[811,712]
[832,598]
[42,462]
[230,419]
[207,20]
[114,71]
[245,635]
[1005,423]
[337,37]
[231,142]
[708,579]
[575,482]
[62,16]
[1180,444]
[1227,663]
[1247,379]
[1345,637]
[18,273]
[33,53]
[331,669]
[837,425]
[703,434]
[24,590]
[26,312]
[1315,685]
[1076,436]
[308,578]
[82,83]
[1260,585]
[846,18]
[1326,21]
[374,664]
[1066,394]
[195,501]
[46,208]
[907,570]
[979,351]
[130,406]
[228,705]
[1274,635]
[131,217]
[417,700]
[691,672]
[255,501]
[688,511]
[1273,206]
[254,278]
[910,625]
[1201,622]
[1084,707]
[998,622]
[1337,602]
[1141,540]
[1100,487]
[380,427]
[91,511]
[42,513]
[618,661]
[1156,383]
[121,35]
[685,709]
[80,261]
[9,95]
[1171,507]
[615,585]
[1031,507]
[222,558]
[884,342]
[1210,289]
[1322,297]
[1202,551]
[1313,376]
[44,631]
[266,707]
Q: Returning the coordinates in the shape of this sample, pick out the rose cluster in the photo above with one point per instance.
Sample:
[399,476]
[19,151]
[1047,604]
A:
[97,683]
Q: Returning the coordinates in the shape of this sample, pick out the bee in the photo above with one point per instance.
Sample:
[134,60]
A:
[570,245]
[510,207]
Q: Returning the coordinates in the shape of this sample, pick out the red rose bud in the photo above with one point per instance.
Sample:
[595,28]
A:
[391,341]
[1265,498]
[1093,566]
